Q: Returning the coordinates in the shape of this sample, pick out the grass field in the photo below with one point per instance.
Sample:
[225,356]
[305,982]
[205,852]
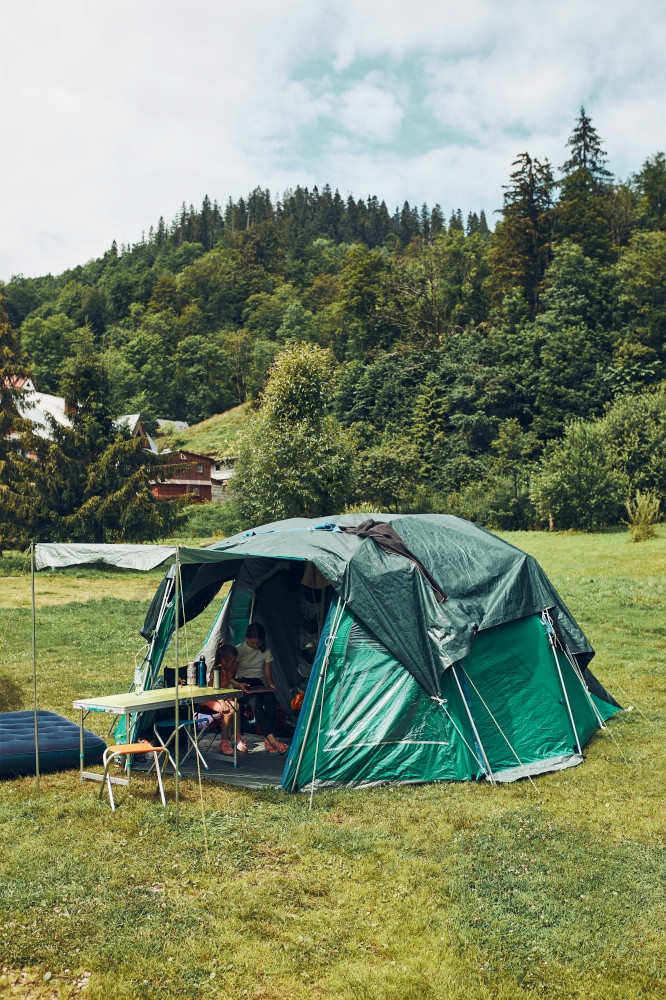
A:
[216,436]
[400,893]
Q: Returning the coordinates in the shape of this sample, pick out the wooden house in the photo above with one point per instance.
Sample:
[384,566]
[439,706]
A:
[188,474]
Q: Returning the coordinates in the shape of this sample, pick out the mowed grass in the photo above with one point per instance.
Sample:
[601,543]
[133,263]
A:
[400,893]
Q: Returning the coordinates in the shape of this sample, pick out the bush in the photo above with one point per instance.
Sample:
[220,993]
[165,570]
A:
[579,485]
[492,503]
[643,513]
[206,519]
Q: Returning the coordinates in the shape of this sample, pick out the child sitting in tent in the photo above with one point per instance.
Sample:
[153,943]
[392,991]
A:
[255,675]
[226,658]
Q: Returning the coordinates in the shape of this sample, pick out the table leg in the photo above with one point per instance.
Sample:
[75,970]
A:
[81,744]
[128,758]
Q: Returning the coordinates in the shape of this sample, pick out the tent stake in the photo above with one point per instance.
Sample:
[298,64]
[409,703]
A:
[473,725]
[34,659]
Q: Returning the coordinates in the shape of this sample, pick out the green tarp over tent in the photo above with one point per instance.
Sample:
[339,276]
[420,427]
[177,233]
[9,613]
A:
[404,687]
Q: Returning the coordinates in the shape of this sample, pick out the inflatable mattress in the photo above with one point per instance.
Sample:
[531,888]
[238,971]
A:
[58,744]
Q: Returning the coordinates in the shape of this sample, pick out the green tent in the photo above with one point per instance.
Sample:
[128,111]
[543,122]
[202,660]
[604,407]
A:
[428,649]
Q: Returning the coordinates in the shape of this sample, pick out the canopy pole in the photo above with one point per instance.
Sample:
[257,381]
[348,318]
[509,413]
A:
[473,725]
[34,659]
[176,713]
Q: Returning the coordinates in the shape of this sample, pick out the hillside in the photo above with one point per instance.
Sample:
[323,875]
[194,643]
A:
[217,436]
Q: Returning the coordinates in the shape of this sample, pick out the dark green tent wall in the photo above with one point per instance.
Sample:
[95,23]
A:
[492,682]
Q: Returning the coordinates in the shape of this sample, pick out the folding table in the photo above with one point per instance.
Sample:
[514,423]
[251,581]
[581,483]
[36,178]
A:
[132,703]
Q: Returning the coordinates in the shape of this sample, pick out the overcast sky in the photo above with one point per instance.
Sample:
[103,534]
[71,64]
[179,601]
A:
[113,114]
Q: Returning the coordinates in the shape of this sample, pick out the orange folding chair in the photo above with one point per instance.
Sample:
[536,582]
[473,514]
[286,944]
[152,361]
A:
[124,749]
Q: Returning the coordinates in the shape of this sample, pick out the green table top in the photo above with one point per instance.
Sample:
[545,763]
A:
[120,704]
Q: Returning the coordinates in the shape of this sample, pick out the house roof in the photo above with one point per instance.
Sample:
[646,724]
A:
[37,407]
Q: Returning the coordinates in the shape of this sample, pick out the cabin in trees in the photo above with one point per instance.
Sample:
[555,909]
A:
[41,408]
[188,474]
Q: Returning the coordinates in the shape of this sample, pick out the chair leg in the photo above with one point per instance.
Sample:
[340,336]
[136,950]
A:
[159,778]
[194,746]
[106,780]
[166,747]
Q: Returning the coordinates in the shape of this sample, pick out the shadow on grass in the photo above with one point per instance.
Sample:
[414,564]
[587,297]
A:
[11,695]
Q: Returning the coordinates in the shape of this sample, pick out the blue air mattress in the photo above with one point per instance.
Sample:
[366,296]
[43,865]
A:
[58,744]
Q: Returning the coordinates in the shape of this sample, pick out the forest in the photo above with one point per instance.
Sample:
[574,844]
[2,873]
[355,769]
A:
[511,373]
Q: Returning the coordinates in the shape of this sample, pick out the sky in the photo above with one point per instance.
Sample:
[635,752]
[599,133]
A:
[114,114]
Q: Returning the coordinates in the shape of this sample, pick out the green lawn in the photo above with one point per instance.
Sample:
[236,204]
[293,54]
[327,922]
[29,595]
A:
[438,891]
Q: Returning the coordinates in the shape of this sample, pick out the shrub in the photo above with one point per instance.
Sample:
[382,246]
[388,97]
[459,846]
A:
[643,511]
[579,485]
[206,519]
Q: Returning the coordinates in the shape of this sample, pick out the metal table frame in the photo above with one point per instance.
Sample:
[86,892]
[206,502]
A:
[131,703]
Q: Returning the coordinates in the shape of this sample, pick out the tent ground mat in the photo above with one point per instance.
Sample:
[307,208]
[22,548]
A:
[256,769]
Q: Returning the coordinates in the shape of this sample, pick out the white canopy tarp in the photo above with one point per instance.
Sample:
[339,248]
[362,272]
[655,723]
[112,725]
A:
[142,557]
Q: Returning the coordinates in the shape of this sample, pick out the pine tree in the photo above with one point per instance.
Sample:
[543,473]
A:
[586,152]
[650,186]
[584,209]
[455,221]
[90,482]
[521,248]
[424,222]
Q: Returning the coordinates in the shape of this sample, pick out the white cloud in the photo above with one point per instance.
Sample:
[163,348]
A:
[114,113]
[370,113]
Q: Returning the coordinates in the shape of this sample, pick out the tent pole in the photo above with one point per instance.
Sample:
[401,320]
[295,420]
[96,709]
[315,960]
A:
[331,636]
[176,713]
[501,731]
[550,623]
[576,669]
[566,698]
[34,659]
[473,725]
[321,712]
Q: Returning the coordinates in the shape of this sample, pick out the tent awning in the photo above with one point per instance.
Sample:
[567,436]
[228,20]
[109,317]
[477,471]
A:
[142,557]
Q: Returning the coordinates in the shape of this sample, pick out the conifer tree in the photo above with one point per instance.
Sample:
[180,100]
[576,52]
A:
[584,209]
[521,248]
[90,482]
[436,221]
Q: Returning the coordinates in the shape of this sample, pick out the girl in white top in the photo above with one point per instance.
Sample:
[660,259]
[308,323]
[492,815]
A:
[255,670]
